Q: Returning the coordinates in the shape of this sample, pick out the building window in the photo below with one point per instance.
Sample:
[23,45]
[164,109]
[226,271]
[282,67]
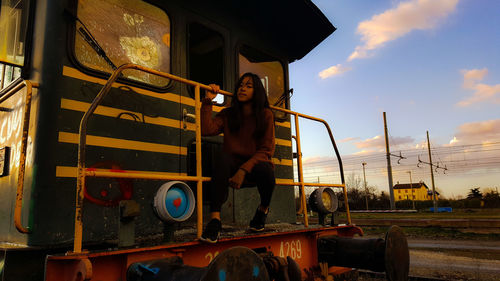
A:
[413,197]
[406,191]
[399,197]
[128,32]
[14,17]
[8,74]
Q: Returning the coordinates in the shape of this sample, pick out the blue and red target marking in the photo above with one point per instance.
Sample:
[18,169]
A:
[176,202]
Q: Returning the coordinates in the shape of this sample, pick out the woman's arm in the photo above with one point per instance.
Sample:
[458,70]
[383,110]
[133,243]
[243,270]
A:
[210,126]
[265,145]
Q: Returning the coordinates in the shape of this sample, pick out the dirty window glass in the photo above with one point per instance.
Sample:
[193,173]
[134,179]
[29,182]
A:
[128,32]
[8,74]
[269,69]
[13,27]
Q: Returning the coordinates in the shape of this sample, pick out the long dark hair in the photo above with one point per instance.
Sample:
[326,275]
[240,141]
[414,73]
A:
[259,104]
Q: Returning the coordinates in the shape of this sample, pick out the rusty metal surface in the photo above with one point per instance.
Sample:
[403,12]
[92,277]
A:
[24,144]
[301,245]
[390,255]
[397,255]
[238,264]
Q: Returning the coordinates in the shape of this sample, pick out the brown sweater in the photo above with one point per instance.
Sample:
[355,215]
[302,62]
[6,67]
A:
[241,145]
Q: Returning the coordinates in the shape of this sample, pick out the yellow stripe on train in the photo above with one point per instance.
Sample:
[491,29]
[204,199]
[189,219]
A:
[75,73]
[139,145]
[161,121]
[123,144]
[114,112]
[71,172]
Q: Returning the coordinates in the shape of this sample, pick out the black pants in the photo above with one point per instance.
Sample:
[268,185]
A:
[225,167]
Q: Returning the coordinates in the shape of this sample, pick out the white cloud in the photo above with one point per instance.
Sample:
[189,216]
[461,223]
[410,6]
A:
[397,22]
[478,132]
[333,71]
[482,92]
[379,142]
[348,139]
[364,152]
[376,141]
[471,77]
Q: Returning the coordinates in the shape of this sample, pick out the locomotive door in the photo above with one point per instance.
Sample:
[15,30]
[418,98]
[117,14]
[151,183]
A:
[136,127]
[206,63]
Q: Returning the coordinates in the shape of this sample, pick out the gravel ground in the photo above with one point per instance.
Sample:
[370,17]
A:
[466,260]
[455,259]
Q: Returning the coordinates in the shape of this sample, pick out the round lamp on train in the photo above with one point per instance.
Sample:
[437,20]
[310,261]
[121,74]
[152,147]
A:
[174,202]
[323,201]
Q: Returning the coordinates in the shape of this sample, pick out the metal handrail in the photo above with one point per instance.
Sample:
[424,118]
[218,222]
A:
[24,144]
[82,172]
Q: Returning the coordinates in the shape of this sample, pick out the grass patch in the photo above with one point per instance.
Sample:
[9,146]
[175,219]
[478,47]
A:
[433,233]
[456,214]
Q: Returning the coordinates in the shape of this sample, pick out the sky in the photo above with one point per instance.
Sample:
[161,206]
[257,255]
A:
[431,65]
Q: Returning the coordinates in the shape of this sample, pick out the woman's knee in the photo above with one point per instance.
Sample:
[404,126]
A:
[264,170]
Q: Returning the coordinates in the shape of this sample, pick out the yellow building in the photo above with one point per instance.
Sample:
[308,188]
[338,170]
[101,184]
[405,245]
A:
[416,191]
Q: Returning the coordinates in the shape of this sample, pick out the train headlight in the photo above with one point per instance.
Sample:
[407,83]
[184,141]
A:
[323,200]
[174,202]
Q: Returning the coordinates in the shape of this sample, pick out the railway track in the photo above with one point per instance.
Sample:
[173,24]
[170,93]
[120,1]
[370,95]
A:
[365,275]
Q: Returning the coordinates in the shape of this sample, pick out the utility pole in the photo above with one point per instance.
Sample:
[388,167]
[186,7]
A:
[434,202]
[412,196]
[366,190]
[389,167]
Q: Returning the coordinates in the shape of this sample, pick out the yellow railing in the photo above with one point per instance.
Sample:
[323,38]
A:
[199,179]
[24,144]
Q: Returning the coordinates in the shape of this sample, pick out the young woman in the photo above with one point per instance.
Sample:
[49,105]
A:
[248,127]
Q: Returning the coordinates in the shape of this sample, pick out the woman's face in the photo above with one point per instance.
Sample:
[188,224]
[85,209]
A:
[245,90]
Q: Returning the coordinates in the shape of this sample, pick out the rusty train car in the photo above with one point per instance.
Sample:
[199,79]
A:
[102,161]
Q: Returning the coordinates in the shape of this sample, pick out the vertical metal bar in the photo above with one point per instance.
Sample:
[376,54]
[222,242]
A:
[344,188]
[199,183]
[301,208]
[341,167]
[299,166]
[22,161]
[389,167]
[434,202]
[80,178]
[3,76]
[366,191]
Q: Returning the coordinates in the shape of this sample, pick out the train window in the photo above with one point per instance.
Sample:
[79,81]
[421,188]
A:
[127,32]
[269,69]
[8,74]
[206,56]
[14,16]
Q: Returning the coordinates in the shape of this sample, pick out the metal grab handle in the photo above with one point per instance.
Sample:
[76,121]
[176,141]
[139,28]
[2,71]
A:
[24,144]
[185,116]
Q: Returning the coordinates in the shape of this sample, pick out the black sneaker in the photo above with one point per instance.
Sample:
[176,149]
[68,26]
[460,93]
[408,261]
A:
[212,231]
[258,221]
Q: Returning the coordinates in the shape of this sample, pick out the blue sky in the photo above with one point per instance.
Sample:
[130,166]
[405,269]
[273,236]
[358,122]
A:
[431,65]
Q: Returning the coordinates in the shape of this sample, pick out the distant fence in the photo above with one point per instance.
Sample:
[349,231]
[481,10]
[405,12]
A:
[383,211]
[446,223]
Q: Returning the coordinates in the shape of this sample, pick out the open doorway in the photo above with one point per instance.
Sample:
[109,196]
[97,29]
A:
[206,56]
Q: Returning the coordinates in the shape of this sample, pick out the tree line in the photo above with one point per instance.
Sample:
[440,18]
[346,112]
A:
[357,195]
